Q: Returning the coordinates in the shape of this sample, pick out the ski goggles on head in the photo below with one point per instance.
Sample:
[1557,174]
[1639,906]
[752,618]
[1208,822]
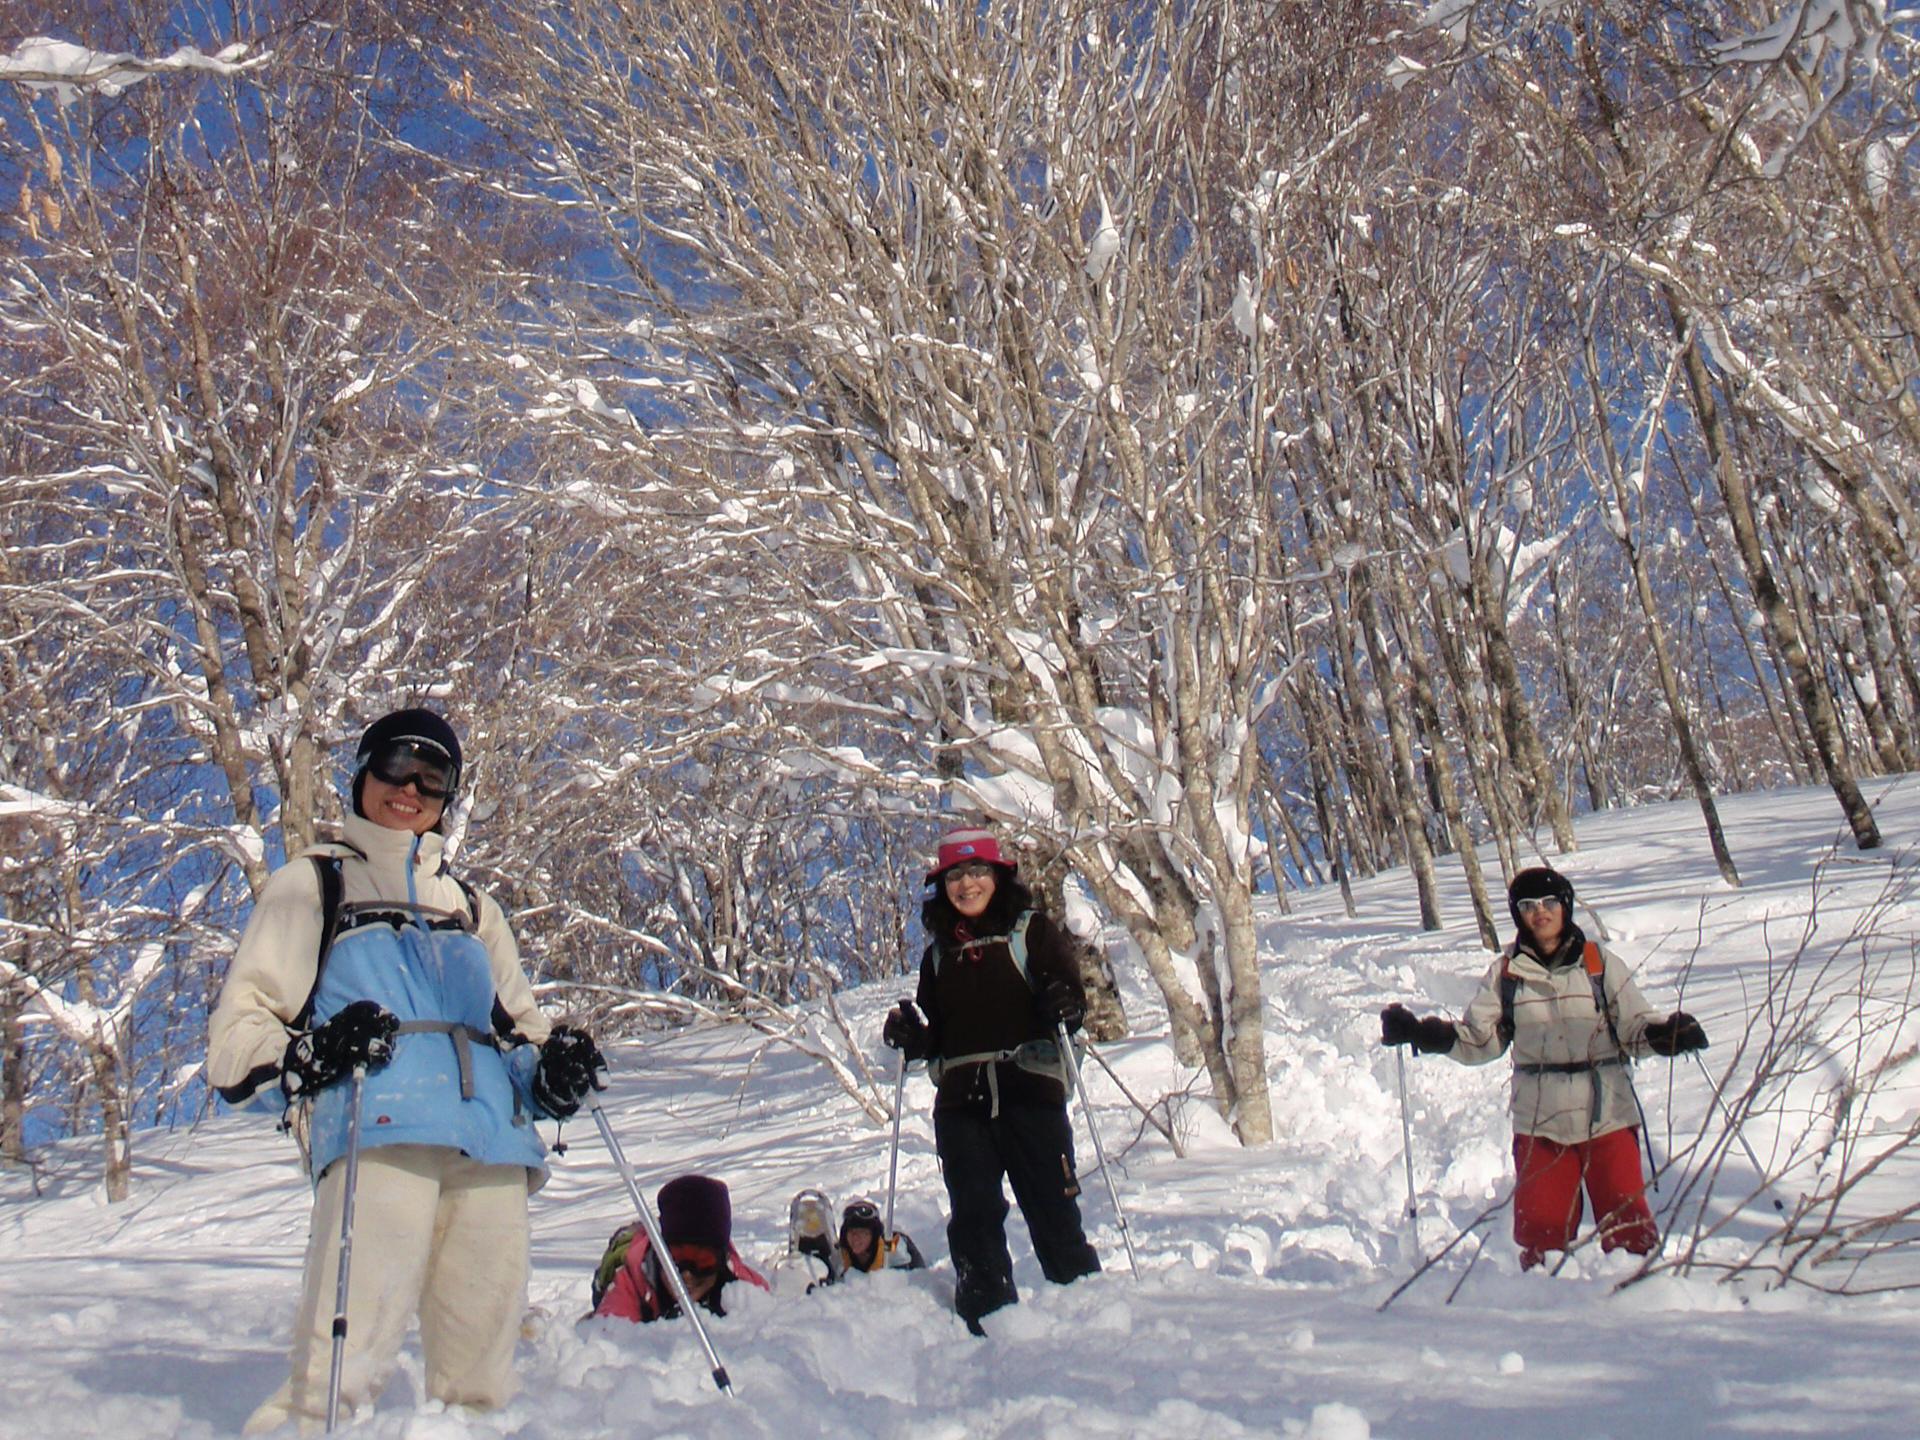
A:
[1533,905]
[861,1212]
[411,760]
[696,1262]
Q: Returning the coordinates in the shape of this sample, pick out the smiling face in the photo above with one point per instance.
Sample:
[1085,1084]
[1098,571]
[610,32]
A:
[399,807]
[970,888]
[1546,921]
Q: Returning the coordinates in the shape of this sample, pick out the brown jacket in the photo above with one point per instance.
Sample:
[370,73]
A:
[977,1003]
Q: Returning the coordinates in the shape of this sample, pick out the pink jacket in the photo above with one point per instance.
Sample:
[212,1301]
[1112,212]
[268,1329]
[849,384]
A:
[635,1296]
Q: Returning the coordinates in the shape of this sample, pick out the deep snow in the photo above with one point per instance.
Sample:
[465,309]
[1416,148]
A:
[1263,1271]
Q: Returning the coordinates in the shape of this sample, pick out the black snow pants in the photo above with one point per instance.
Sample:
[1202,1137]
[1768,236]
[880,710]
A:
[1031,1146]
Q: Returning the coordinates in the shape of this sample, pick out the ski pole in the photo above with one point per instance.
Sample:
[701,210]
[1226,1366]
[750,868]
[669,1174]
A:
[1099,1150]
[1778,1205]
[893,1160]
[674,1280]
[348,1185]
[1406,1146]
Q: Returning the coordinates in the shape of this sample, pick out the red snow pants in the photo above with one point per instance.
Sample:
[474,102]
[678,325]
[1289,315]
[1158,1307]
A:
[1546,1194]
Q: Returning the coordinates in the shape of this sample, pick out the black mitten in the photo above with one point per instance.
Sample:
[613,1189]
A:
[1431,1036]
[1434,1036]
[906,1030]
[1398,1025]
[570,1065]
[360,1034]
[1062,1004]
[1678,1034]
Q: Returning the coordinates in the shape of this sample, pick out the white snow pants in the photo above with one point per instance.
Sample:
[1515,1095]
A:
[434,1233]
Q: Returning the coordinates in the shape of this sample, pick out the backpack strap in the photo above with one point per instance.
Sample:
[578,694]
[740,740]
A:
[1509,988]
[473,900]
[327,867]
[464,1038]
[503,1023]
[1017,943]
[1597,973]
[332,888]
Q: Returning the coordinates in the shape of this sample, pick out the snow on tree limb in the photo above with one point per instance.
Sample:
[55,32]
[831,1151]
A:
[41,63]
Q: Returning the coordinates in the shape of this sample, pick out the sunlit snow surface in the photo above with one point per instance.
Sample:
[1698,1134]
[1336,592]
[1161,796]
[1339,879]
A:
[1263,1271]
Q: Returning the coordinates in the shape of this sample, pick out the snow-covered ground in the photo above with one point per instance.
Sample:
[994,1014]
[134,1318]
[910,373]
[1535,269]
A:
[1262,1271]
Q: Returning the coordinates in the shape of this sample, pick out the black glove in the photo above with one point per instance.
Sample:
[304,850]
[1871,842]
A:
[361,1034]
[1431,1036]
[570,1065]
[1063,1004]
[1398,1025]
[1678,1034]
[906,1031]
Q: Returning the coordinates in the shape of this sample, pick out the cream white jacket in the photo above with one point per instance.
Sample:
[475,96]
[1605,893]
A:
[1555,1023]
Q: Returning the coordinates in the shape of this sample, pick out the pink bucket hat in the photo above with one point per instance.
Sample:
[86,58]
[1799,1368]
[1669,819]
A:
[958,847]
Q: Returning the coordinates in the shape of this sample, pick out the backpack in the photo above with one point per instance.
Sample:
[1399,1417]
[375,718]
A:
[1016,939]
[1596,967]
[611,1259]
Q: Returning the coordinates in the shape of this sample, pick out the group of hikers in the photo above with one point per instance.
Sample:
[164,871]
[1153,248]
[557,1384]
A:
[695,1216]
[385,999]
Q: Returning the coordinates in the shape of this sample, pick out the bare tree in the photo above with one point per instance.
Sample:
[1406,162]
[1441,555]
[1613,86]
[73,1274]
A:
[223,314]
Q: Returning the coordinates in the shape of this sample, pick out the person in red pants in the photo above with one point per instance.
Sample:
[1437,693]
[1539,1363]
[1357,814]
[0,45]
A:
[1573,1019]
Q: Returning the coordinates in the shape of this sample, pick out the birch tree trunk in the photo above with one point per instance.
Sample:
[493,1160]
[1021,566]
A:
[1622,524]
[1784,630]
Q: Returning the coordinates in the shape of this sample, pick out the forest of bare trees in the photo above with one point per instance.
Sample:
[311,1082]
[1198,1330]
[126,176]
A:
[1232,446]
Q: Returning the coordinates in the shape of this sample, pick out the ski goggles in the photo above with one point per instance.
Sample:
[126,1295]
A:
[1534,906]
[411,760]
[696,1262]
[861,1212]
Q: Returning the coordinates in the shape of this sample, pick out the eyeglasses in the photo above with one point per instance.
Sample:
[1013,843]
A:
[416,763]
[1545,902]
[972,870]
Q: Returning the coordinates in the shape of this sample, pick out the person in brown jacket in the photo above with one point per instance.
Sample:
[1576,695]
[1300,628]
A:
[1574,1019]
[995,983]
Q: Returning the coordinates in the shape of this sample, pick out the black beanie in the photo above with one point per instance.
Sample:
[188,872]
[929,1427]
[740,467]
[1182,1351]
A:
[414,724]
[696,1210]
[1539,883]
